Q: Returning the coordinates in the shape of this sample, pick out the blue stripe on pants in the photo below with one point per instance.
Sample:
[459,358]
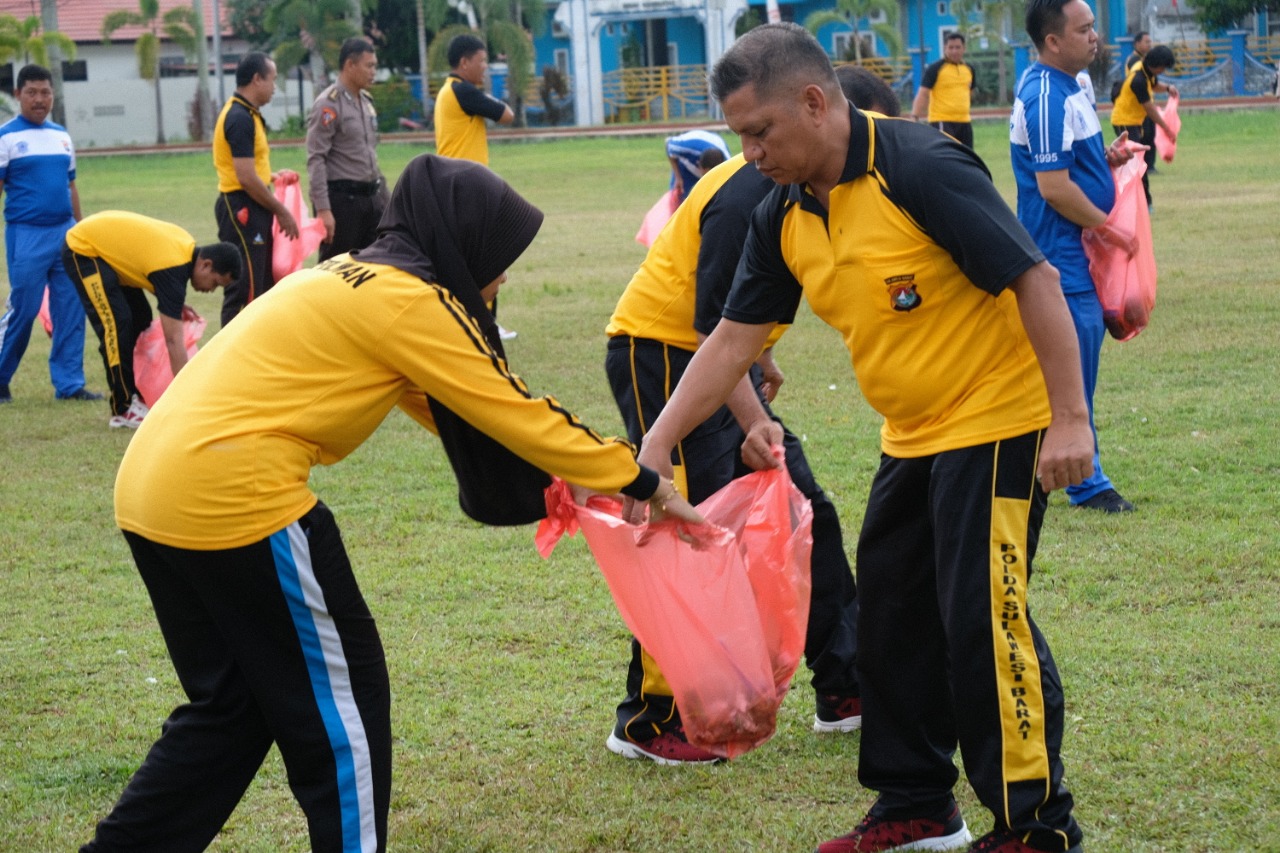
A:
[330,681]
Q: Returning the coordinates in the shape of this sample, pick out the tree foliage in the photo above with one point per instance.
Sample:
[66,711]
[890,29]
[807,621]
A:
[177,24]
[851,13]
[24,39]
[1217,15]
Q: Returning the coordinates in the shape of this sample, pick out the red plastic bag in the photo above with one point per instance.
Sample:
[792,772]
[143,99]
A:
[725,618]
[1166,146]
[287,255]
[1122,262]
[151,370]
[657,217]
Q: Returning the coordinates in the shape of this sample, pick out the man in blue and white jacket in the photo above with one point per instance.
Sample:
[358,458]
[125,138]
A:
[1063,171]
[38,178]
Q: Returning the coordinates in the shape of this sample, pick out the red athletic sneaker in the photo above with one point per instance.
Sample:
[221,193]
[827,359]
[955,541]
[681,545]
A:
[1004,841]
[667,748]
[878,835]
[837,714]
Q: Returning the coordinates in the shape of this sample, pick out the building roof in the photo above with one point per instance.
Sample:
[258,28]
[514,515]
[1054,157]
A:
[81,20]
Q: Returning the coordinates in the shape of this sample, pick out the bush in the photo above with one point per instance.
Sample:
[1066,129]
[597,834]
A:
[394,100]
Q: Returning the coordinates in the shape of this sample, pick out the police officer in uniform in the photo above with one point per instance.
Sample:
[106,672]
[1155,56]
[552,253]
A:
[348,191]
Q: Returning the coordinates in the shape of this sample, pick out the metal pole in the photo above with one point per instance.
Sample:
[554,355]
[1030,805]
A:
[217,52]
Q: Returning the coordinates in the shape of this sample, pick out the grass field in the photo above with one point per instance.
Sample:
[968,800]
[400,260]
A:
[505,669]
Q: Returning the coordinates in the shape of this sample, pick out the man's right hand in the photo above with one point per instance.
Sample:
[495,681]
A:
[288,224]
[326,216]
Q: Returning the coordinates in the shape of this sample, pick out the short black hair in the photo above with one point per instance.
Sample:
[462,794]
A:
[252,64]
[1139,34]
[460,47]
[31,74]
[353,47]
[952,36]
[770,57]
[225,257]
[710,158]
[1160,56]
[1045,17]
[867,90]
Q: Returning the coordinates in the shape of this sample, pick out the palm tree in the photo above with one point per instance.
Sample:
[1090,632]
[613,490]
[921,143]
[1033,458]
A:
[851,12]
[24,38]
[310,30]
[177,25]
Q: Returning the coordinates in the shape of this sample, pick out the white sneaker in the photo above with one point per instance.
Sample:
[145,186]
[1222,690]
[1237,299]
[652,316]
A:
[506,334]
[132,418]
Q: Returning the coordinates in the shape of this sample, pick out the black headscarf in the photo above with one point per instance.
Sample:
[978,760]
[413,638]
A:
[457,224]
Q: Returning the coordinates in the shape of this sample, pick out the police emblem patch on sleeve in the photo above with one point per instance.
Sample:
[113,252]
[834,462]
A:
[327,115]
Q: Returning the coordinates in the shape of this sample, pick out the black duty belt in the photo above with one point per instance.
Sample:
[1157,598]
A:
[354,187]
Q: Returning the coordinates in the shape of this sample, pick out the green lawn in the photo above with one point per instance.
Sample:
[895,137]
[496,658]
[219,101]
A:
[505,669]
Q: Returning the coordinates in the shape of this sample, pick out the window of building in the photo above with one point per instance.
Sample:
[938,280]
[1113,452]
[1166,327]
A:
[75,72]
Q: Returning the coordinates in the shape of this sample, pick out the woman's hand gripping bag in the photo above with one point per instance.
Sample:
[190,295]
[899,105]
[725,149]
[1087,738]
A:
[1122,262]
[725,615]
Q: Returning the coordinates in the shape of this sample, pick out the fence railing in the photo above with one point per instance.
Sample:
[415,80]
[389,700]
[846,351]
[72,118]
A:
[673,92]
[661,93]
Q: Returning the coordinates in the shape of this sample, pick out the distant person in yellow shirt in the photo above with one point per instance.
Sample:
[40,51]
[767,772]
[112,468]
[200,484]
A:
[945,92]
[1135,106]
[462,105]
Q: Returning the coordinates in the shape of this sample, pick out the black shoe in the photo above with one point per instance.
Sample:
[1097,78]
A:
[837,714]
[83,394]
[5,396]
[1108,501]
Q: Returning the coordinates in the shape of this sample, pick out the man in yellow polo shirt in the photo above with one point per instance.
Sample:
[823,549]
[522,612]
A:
[114,258]
[960,337]
[246,207]
[945,90]
[462,105]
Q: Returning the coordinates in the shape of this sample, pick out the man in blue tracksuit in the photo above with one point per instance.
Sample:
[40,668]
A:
[38,177]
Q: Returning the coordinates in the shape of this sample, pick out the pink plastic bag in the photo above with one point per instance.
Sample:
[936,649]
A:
[287,255]
[1122,262]
[151,370]
[657,217]
[725,618]
[1166,146]
[46,319]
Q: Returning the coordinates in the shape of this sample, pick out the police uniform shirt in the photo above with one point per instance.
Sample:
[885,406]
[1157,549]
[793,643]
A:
[240,132]
[911,266]
[342,141]
[460,111]
[333,349]
[145,253]
[950,84]
[1136,91]
[680,288]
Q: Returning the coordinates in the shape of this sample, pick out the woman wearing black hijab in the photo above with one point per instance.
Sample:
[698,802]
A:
[260,611]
